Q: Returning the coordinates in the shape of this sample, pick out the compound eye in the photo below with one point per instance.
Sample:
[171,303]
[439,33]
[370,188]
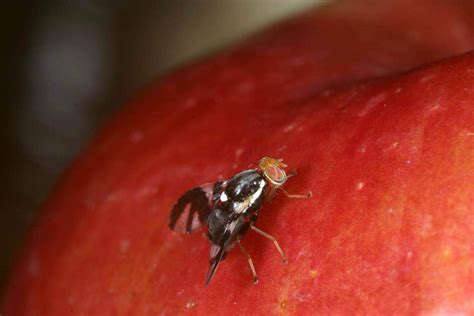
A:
[275,174]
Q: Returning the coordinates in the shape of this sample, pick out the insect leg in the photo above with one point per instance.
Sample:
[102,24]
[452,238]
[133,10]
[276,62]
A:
[275,242]
[296,196]
[292,173]
[249,260]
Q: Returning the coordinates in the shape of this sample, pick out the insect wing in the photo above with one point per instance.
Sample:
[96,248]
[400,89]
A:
[217,255]
[233,230]
[190,212]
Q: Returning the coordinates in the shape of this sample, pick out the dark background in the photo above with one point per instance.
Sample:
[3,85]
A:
[67,65]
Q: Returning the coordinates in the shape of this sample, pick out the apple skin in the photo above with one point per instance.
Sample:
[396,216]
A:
[390,162]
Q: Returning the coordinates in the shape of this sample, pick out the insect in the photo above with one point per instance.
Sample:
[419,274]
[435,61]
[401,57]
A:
[230,208]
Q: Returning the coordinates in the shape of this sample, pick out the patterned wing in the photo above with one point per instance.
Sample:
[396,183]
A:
[233,230]
[217,255]
[190,212]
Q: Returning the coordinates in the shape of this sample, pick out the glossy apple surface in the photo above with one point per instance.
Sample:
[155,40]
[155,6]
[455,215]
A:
[390,162]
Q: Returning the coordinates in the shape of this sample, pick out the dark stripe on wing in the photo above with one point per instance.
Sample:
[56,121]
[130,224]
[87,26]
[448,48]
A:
[192,203]
[214,263]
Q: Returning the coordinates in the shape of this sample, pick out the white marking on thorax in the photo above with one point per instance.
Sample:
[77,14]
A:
[241,207]
[224,197]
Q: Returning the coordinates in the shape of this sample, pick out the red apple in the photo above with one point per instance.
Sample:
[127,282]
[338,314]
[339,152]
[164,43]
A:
[390,162]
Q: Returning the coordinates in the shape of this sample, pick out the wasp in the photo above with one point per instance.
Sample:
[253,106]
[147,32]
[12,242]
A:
[228,209]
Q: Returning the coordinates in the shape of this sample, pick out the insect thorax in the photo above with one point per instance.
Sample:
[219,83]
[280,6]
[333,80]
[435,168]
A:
[240,197]
[244,193]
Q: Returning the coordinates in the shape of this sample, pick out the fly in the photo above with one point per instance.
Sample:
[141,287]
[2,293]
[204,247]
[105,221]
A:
[228,209]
